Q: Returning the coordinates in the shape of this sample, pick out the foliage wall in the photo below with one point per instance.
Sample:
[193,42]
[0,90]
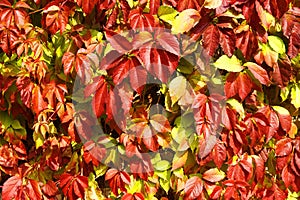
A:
[158,99]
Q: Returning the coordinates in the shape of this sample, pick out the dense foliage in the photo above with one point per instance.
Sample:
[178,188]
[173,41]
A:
[158,99]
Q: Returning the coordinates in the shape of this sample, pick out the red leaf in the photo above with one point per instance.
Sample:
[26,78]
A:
[154,5]
[213,175]
[35,192]
[281,73]
[38,103]
[168,42]
[219,154]
[7,157]
[117,180]
[56,15]
[227,41]
[87,5]
[99,87]
[186,4]
[73,186]
[193,188]
[283,147]
[159,63]
[50,189]
[160,123]
[118,42]
[141,21]
[68,61]
[238,84]
[246,42]
[259,73]
[11,187]
[211,38]
[277,7]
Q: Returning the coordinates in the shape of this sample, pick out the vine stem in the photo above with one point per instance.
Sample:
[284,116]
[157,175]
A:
[36,11]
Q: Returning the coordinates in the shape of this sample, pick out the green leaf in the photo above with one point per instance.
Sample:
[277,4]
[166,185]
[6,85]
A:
[165,184]
[295,95]
[39,139]
[100,170]
[16,124]
[276,44]
[162,165]
[163,174]
[167,13]
[284,92]
[6,120]
[232,64]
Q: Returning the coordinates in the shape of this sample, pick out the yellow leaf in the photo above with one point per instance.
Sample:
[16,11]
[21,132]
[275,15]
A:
[185,21]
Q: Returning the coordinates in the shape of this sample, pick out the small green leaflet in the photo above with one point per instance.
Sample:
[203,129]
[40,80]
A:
[167,14]
[232,64]
[295,95]
[276,44]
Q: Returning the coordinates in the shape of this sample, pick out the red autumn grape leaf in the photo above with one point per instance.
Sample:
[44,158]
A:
[258,72]
[118,42]
[213,175]
[291,27]
[117,180]
[73,186]
[284,117]
[38,103]
[9,38]
[219,154]
[122,67]
[87,6]
[141,21]
[211,38]
[238,84]
[281,72]
[277,7]
[54,92]
[193,188]
[159,63]
[34,190]
[56,15]
[168,42]
[227,41]
[11,188]
[246,41]
[7,157]
[283,147]
[186,4]
[50,189]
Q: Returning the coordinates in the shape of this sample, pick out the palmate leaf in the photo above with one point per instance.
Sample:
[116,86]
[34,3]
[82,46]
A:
[73,186]
[141,21]
[80,62]
[117,180]
[238,84]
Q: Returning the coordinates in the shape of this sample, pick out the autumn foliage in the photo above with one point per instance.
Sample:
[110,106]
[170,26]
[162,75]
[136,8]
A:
[157,99]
